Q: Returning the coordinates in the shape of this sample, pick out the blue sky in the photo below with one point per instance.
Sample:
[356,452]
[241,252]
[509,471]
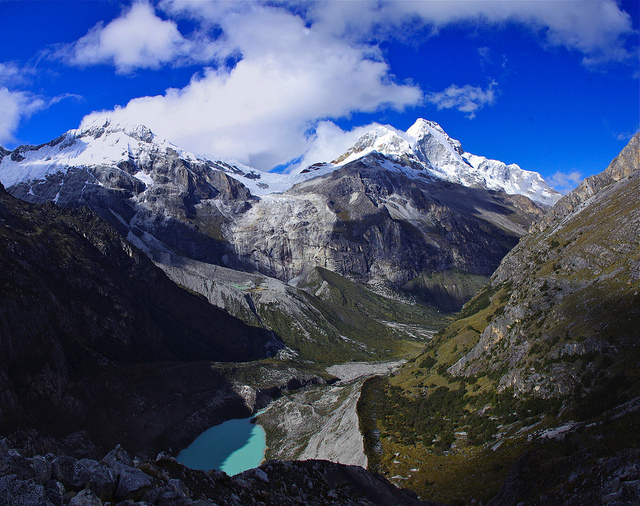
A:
[551,85]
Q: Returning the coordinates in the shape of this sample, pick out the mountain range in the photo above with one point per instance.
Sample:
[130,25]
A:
[151,293]
[393,211]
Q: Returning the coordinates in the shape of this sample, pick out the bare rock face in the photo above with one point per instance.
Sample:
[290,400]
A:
[369,221]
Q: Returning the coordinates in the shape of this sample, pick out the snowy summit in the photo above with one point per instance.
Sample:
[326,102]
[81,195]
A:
[425,145]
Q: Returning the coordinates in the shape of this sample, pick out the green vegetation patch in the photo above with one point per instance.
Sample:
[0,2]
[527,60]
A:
[448,290]
[436,443]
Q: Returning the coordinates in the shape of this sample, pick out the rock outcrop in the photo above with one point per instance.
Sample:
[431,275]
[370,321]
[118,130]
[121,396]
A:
[117,479]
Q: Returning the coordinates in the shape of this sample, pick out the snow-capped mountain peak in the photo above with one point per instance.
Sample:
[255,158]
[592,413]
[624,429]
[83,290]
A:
[424,147]
[383,139]
[103,126]
[98,143]
[423,128]
[430,148]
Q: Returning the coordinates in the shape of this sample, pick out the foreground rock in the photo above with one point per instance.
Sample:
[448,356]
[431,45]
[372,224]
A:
[117,479]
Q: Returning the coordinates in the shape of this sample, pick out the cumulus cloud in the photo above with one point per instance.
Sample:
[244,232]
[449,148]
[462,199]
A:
[140,39]
[260,111]
[467,99]
[137,39]
[14,107]
[296,65]
[564,182]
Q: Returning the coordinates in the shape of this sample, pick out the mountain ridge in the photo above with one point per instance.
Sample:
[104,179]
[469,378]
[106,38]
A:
[425,142]
[431,149]
[167,201]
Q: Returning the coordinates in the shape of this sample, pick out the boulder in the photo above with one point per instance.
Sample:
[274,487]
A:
[103,481]
[55,492]
[11,462]
[133,483]
[41,468]
[14,491]
[85,497]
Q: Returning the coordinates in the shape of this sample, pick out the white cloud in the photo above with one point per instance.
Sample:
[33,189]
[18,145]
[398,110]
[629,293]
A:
[564,182]
[137,39]
[17,106]
[468,99]
[12,74]
[628,135]
[596,28]
[140,39]
[329,141]
[14,107]
[260,111]
[301,64]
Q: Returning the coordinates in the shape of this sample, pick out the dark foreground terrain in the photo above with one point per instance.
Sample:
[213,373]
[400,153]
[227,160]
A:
[117,479]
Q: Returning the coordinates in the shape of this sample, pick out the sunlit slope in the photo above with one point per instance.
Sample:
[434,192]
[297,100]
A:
[550,342]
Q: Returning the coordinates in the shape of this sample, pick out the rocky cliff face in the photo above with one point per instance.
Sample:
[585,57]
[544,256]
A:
[373,219]
[623,165]
[573,298]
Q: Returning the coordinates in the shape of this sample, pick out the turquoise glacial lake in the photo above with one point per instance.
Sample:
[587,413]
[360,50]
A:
[233,446]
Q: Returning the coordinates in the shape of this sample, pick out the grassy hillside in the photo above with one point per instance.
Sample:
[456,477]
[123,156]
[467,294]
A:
[536,380]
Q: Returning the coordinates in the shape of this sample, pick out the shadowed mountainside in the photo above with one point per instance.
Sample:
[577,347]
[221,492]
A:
[76,301]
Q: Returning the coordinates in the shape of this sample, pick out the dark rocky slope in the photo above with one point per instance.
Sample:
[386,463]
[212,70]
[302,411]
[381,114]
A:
[54,481]
[86,320]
